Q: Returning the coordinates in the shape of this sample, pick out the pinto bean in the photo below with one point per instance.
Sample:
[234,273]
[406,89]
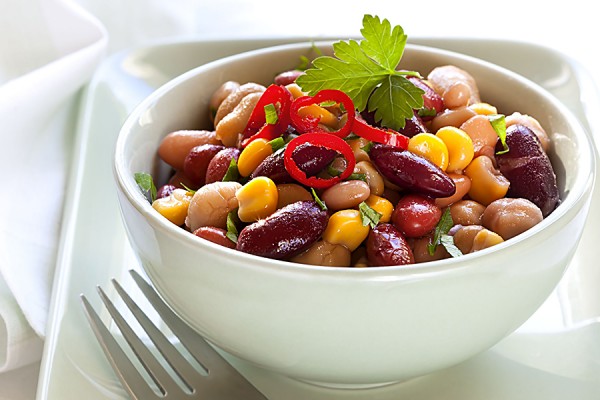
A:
[176,145]
[325,254]
[420,250]
[374,179]
[483,135]
[346,194]
[211,204]
[457,95]
[285,233]
[509,217]
[452,117]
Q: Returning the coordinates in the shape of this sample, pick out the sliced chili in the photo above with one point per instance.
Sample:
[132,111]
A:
[326,140]
[257,126]
[310,123]
[379,135]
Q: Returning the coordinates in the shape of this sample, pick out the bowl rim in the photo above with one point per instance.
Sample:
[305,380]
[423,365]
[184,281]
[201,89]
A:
[126,183]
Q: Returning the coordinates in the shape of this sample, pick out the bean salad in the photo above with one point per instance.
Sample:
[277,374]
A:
[323,176]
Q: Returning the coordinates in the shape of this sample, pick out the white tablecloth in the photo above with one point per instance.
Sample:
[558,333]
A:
[49,49]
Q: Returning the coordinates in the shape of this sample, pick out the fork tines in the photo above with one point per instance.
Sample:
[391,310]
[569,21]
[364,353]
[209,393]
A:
[219,380]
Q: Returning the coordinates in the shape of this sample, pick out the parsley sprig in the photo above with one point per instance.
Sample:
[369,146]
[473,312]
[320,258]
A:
[366,71]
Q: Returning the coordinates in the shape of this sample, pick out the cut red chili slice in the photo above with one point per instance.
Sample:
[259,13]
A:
[326,140]
[311,123]
[257,126]
[379,135]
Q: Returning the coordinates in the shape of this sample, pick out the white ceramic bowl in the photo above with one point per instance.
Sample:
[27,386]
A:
[336,326]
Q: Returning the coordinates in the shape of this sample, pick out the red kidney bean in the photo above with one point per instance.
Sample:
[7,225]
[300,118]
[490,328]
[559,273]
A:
[219,164]
[273,167]
[285,233]
[197,160]
[413,126]
[215,235]
[287,77]
[431,100]
[386,246]
[312,159]
[416,215]
[410,171]
[165,191]
[528,169]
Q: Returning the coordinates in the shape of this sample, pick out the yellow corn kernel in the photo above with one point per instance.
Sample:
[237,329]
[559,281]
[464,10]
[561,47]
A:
[295,90]
[251,157]
[483,108]
[460,147]
[257,199]
[345,227]
[325,116]
[382,205]
[175,206]
[430,147]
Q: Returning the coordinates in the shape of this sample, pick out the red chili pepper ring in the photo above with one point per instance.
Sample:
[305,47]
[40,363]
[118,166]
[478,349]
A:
[326,140]
[310,123]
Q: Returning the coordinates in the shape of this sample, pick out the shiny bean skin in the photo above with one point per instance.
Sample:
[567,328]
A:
[421,254]
[285,233]
[176,145]
[180,180]
[509,217]
[457,95]
[374,179]
[358,146]
[431,99]
[359,258]
[230,127]
[234,98]
[386,246]
[449,117]
[287,77]
[443,77]
[273,167]
[221,94]
[409,171]
[463,184]
[487,183]
[197,160]
[533,124]
[467,212]
[288,193]
[211,204]
[215,235]
[482,134]
[325,254]
[463,237]
[346,194]
[312,159]
[416,215]
[528,169]
[219,164]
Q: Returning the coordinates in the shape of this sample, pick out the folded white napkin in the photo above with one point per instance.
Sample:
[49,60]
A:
[48,51]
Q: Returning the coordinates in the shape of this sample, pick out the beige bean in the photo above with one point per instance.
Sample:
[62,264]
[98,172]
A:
[463,185]
[346,194]
[455,117]
[473,238]
[211,204]
[443,77]
[482,134]
[457,95]
[234,98]
[358,146]
[230,127]
[511,216]
[174,147]
[374,179]
[420,251]
[325,254]
[221,94]
[467,212]
[289,193]
[533,124]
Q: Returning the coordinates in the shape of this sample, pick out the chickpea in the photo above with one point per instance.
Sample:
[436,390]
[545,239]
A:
[509,217]
[211,204]
[467,212]
[326,254]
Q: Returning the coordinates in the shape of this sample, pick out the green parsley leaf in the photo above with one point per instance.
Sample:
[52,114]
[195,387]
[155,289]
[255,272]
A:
[146,184]
[320,202]
[442,228]
[369,215]
[271,114]
[232,221]
[357,176]
[188,189]
[232,173]
[427,112]
[448,242]
[498,122]
[366,71]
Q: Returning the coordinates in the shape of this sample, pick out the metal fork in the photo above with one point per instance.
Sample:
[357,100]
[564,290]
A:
[220,381]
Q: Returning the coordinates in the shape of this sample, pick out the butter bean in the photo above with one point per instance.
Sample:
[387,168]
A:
[346,194]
